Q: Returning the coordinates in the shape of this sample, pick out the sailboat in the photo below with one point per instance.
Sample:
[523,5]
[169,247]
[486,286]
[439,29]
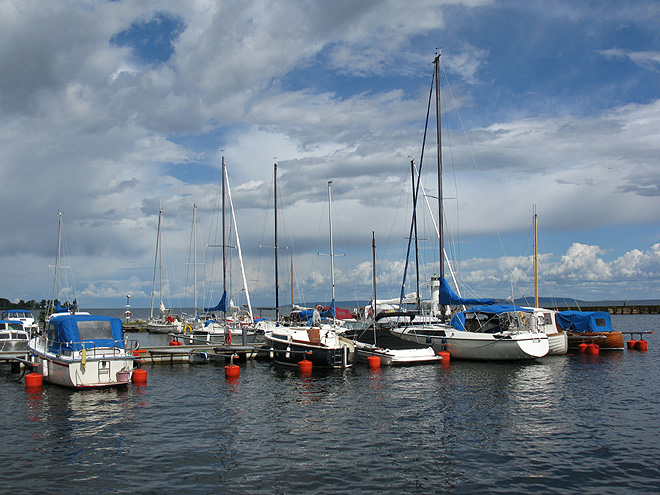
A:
[321,343]
[546,319]
[505,334]
[377,340]
[211,329]
[165,322]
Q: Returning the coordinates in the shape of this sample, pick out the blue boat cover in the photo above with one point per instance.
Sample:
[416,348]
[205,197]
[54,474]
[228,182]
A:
[221,306]
[448,297]
[72,332]
[585,321]
[458,321]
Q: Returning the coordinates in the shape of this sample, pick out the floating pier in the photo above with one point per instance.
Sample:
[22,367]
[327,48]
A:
[170,354]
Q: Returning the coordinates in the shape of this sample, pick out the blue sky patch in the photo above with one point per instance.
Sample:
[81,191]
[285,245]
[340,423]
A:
[151,41]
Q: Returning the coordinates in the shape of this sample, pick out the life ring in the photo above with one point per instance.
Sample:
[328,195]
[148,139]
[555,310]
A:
[187,328]
[228,337]
[170,319]
[127,314]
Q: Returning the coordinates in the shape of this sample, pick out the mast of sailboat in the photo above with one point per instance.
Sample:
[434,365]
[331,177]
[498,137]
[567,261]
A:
[224,245]
[194,233]
[153,284]
[373,276]
[277,283]
[56,279]
[536,262]
[436,63]
[414,199]
[332,248]
[291,282]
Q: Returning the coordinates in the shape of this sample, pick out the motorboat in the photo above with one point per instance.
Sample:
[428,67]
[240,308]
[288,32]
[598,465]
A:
[83,351]
[590,327]
[13,338]
[25,316]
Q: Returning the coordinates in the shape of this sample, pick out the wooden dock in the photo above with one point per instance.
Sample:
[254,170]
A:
[166,354]
[181,354]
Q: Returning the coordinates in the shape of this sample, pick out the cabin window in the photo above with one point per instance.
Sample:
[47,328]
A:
[89,330]
[16,326]
[51,334]
[5,335]
[600,322]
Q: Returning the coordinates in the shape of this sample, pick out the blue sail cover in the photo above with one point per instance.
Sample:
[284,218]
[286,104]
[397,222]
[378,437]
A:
[72,332]
[585,321]
[449,298]
[60,309]
[458,321]
[330,312]
[221,306]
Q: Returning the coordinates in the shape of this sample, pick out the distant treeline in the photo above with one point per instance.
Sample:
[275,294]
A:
[32,304]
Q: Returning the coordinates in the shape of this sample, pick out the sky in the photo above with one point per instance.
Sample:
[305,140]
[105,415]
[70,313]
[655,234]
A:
[113,110]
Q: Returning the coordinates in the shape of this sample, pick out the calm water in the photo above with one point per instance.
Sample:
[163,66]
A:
[562,424]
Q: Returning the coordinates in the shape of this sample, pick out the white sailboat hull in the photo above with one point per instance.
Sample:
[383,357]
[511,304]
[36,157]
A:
[484,346]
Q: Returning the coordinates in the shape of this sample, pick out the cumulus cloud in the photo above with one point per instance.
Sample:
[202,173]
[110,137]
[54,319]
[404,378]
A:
[110,111]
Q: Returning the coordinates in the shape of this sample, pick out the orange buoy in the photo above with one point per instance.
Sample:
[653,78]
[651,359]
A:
[593,348]
[305,366]
[232,371]
[139,376]
[631,344]
[33,380]
[175,342]
[583,347]
[373,362]
[445,356]
[642,345]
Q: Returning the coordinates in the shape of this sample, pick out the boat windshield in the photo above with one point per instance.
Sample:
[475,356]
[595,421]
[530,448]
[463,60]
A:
[92,330]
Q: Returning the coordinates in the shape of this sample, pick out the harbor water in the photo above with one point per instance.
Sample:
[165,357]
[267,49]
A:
[558,425]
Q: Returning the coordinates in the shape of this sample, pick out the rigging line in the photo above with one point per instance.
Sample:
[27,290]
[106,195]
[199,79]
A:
[267,220]
[414,215]
[389,241]
[474,161]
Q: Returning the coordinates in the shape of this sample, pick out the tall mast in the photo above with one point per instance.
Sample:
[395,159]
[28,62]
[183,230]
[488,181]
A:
[153,284]
[414,198]
[194,233]
[277,283]
[224,243]
[536,262]
[332,248]
[373,276]
[56,278]
[292,282]
[436,63]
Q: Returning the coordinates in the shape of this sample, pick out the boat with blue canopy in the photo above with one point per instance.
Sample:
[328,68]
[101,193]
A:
[590,327]
[83,351]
